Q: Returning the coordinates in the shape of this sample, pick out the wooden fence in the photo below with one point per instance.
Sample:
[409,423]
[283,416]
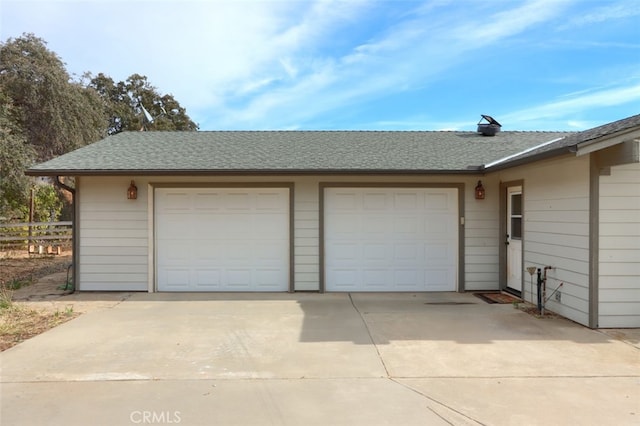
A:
[36,237]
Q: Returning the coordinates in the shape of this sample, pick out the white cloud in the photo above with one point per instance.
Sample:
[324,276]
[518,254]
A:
[610,11]
[568,106]
[281,64]
[405,56]
[489,28]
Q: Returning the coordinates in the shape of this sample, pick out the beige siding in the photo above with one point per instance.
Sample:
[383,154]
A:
[556,230]
[113,235]
[619,250]
[307,264]
[116,241]
[482,228]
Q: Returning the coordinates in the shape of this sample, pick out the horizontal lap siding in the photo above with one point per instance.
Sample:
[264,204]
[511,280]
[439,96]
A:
[113,235]
[619,250]
[556,231]
[306,245]
[114,231]
[481,239]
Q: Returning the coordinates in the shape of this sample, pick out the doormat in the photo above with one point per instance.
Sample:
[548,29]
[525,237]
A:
[497,298]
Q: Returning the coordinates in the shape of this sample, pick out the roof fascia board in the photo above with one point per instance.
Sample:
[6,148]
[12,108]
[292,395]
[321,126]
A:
[601,143]
[35,172]
[518,154]
[531,159]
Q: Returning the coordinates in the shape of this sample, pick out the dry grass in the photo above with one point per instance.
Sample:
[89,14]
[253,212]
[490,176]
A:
[19,323]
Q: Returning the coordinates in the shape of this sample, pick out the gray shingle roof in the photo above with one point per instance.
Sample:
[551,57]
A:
[291,152]
[582,138]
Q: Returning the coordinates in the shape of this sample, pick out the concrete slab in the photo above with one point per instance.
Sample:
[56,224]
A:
[426,336]
[228,402]
[160,337]
[538,401]
[301,358]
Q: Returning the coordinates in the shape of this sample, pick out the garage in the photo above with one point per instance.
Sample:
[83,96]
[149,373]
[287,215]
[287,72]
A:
[390,239]
[222,239]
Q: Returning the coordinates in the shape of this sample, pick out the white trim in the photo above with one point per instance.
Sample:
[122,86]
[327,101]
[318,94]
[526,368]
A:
[599,144]
[509,157]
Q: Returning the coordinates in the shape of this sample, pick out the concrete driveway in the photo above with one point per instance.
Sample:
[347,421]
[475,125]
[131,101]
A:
[319,359]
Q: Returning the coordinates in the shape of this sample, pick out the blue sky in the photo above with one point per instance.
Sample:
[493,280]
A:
[352,65]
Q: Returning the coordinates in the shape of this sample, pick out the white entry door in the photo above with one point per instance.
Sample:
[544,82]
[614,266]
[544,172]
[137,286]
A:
[514,238]
[391,239]
[222,239]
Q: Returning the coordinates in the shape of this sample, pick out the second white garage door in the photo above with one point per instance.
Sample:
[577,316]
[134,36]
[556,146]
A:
[222,239]
[391,239]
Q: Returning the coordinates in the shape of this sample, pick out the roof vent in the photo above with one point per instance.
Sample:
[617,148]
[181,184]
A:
[490,127]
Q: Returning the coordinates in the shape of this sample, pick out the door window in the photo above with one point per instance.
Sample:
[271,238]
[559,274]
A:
[516,216]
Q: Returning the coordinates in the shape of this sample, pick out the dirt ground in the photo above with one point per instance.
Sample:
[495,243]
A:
[41,296]
[23,269]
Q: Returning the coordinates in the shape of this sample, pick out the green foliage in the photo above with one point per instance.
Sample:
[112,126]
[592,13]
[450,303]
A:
[47,204]
[6,297]
[55,114]
[18,284]
[124,101]
[44,113]
[15,156]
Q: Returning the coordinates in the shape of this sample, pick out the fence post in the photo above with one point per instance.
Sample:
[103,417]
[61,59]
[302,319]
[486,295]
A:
[32,201]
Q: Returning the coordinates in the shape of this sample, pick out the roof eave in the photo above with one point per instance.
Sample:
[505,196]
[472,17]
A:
[236,172]
[607,141]
[532,158]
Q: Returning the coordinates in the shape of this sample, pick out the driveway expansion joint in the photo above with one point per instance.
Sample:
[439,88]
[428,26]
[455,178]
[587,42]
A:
[373,342]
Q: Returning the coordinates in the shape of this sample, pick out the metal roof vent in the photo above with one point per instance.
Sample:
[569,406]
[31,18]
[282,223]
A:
[490,127]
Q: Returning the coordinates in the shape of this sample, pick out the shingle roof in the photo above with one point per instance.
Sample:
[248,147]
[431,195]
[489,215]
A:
[291,152]
[581,138]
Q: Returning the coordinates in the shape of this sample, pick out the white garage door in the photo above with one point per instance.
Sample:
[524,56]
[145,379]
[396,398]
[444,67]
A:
[222,239]
[391,239]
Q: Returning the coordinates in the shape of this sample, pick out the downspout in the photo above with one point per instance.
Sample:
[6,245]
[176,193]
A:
[74,245]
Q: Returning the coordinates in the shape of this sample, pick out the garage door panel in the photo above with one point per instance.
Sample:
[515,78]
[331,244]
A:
[345,201]
[344,279]
[372,225]
[346,224]
[440,224]
[439,279]
[408,279]
[175,278]
[176,202]
[208,202]
[391,239]
[438,202]
[345,252]
[222,239]
[269,279]
[262,251]
[238,278]
[407,201]
[207,279]
[407,225]
[439,252]
[407,253]
[270,201]
[375,252]
[237,201]
[375,278]
[374,202]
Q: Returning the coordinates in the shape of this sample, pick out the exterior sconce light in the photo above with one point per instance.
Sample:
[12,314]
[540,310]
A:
[132,191]
[479,191]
